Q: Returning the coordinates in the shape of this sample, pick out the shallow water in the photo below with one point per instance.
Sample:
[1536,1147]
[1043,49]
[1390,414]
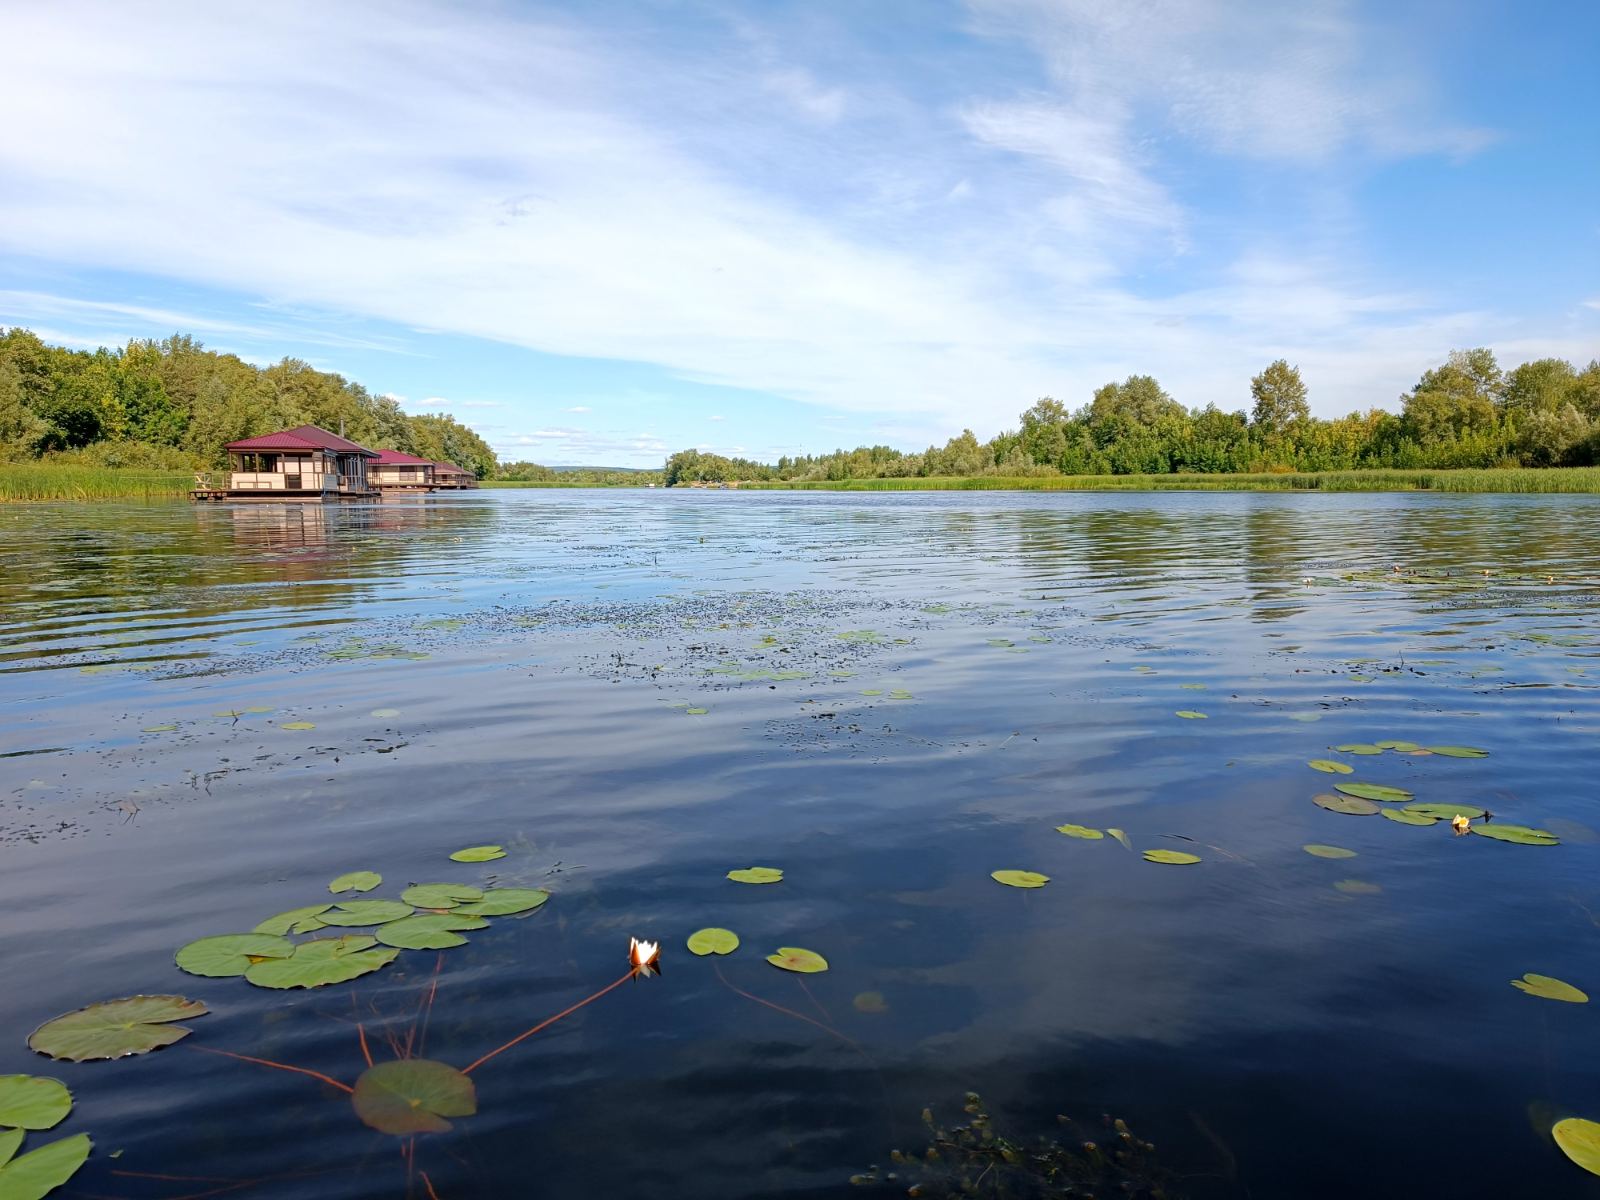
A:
[1015,661]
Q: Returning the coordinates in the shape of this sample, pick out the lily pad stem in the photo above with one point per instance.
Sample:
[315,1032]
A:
[267,1062]
[549,1021]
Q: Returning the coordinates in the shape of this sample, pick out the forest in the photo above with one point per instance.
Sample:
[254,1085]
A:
[173,405]
[1464,413]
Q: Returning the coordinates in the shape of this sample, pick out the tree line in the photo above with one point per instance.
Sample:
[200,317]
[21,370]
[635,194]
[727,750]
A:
[174,404]
[1466,412]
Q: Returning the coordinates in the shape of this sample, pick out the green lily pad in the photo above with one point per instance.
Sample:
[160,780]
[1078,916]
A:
[10,1143]
[1321,851]
[502,902]
[1407,817]
[873,692]
[296,920]
[319,966]
[1188,714]
[297,725]
[33,1101]
[1020,879]
[1459,751]
[334,947]
[39,1172]
[365,912]
[478,854]
[1354,805]
[756,875]
[1402,747]
[1175,858]
[413,1095]
[1373,791]
[1547,988]
[1580,1141]
[355,881]
[1359,748]
[433,931]
[1520,834]
[384,713]
[231,953]
[440,895]
[713,941]
[1358,887]
[116,1028]
[696,711]
[859,635]
[1330,767]
[159,729]
[871,1003]
[900,694]
[792,958]
[1080,831]
[1446,811]
[1121,837]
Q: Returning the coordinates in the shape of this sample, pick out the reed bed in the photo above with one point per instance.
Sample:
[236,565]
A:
[42,481]
[1521,479]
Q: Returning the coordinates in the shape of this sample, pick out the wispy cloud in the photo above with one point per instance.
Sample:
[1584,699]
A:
[578,408]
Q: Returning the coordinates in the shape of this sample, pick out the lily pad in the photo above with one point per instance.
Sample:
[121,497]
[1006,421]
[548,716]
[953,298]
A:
[792,958]
[1353,805]
[298,725]
[1321,851]
[1188,714]
[296,920]
[1020,879]
[365,912]
[440,895]
[116,1028]
[10,1143]
[1407,817]
[334,947]
[713,941]
[1080,831]
[1446,811]
[33,1102]
[1580,1141]
[413,1095]
[870,1003]
[355,881]
[1402,747]
[1520,834]
[1330,767]
[231,953]
[1176,858]
[1358,887]
[1547,988]
[384,713]
[432,931]
[478,854]
[312,966]
[503,902]
[1374,791]
[756,875]
[1359,748]
[696,711]
[1121,837]
[39,1172]
[159,729]
[1459,751]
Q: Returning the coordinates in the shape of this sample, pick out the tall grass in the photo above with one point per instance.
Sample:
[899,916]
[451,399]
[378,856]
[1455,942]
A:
[1522,479]
[41,481]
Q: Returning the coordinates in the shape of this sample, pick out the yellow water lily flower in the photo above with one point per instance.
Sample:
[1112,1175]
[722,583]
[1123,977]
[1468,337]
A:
[1460,824]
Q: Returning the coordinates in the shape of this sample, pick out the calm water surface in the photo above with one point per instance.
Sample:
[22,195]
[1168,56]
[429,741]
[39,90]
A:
[636,692]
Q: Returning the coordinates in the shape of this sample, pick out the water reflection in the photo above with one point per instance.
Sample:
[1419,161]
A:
[636,693]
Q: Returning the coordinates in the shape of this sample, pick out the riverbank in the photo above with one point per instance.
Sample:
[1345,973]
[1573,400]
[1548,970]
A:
[1521,479]
[44,481]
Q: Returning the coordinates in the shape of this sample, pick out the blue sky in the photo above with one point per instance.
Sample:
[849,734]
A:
[602,232]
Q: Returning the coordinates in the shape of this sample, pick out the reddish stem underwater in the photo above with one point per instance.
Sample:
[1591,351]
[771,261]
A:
[267,1062]
[549,1021]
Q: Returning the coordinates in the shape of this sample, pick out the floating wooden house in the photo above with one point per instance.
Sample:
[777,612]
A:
[303,463]
[393,471]
[448,475]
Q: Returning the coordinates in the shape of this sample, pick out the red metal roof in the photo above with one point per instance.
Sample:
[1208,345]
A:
[394,458]
[302,437]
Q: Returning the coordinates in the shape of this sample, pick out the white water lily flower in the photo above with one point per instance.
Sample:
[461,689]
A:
[644,956]
[1460,824]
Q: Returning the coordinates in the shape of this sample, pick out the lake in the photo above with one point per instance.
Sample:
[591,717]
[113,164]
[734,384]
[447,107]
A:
[209,713]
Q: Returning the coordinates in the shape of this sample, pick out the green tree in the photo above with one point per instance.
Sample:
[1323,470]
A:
[1280,399]
[1456,400]
[21,429]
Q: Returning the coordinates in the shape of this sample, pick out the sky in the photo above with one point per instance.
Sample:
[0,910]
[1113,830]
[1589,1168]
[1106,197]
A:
[600,233]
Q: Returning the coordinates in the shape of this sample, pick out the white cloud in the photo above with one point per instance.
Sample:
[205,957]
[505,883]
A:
[467,171]
[578,408]
[716,418]
[1595,303]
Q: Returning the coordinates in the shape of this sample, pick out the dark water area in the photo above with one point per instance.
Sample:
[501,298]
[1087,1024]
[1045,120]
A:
[886,696]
